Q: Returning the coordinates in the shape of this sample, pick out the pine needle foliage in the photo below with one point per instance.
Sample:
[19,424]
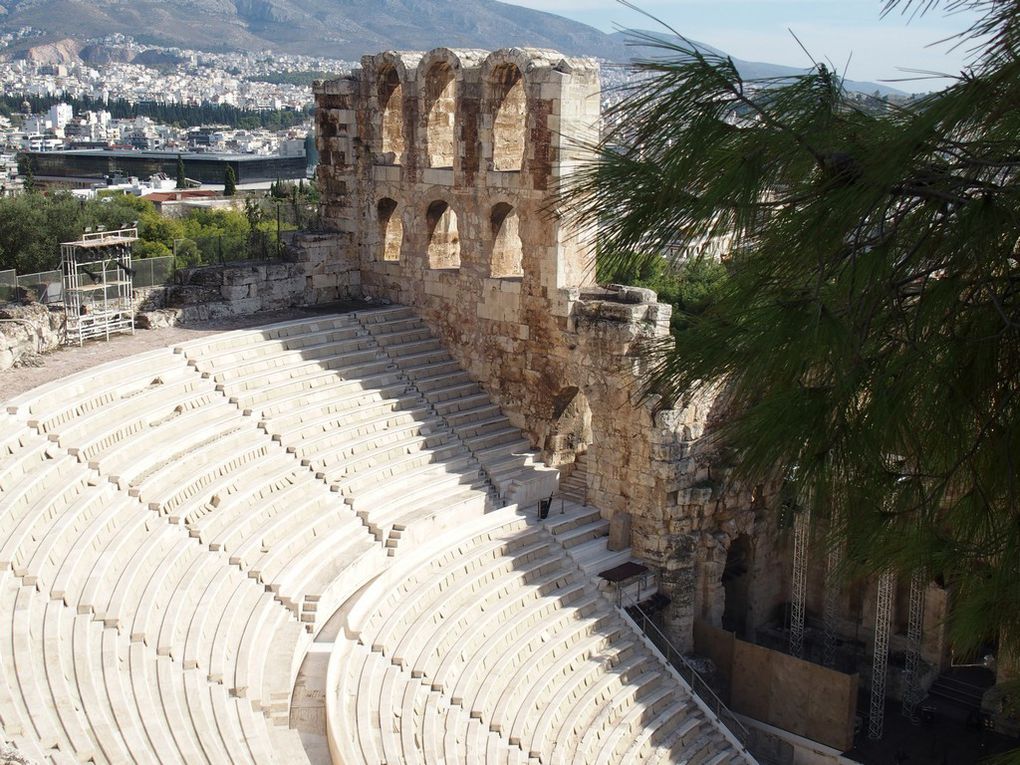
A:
[869,325]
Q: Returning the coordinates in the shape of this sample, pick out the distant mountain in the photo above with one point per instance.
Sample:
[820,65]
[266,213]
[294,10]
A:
[749,70]
[344,29]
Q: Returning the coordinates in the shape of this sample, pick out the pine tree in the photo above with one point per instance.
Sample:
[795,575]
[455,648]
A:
[229,182]
[182,179]
[868,329]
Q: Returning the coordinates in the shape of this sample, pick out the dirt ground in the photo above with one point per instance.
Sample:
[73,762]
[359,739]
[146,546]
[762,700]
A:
[70,360]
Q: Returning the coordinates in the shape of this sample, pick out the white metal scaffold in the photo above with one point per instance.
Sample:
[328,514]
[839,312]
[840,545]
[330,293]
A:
[97,282]
[798,594]
[880,660]
[830,606]
[912,664]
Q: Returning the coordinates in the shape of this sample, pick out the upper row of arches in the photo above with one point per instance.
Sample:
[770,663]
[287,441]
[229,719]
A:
[436,80]
[505,249]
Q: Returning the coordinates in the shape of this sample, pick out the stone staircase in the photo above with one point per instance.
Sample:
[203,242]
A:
[584,533]
[503,452]
[958,690]
[574,487]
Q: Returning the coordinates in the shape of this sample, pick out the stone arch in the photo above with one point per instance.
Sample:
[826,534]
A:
[736,581]
[507,250]
[444,239]
[571,431]
[391,229]
[440,70]
[509,117]
[391,109]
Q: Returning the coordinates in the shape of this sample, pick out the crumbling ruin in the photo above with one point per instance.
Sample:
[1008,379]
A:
[439,172]
[316,541]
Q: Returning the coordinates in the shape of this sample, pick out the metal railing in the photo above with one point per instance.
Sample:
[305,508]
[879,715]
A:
[698,684]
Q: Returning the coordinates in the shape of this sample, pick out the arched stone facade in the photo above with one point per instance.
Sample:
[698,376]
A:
[518,306]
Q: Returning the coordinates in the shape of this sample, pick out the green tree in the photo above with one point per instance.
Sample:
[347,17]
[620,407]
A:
[229,182]
[182,179]
[32,226]
[868,328]
[25,170]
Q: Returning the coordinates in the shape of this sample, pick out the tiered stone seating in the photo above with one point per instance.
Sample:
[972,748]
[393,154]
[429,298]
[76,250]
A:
[130,637]
[503,451]
[502,626]
[175,527]
[369,434]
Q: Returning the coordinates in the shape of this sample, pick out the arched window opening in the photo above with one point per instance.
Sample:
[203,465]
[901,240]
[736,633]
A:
[509,122]
[444,240]
[571,431]
[440,111]
[507,254]
[736,579]
[391,230]
[391,104]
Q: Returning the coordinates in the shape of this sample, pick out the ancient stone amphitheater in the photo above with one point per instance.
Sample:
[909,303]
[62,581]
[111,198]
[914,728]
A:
[317,541]
[182,530]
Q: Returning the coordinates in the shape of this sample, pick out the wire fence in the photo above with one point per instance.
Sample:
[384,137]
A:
[229,248]
[8,285]
[47,286]
[43,287]
[278,221]
[152,272]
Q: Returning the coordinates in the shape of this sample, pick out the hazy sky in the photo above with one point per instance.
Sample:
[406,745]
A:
[756,30]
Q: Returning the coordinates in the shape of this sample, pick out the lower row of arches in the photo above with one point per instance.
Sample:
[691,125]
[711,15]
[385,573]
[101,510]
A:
[505,257]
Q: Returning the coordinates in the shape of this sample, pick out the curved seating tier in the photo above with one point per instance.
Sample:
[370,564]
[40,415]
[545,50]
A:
[501,646]
[176,527]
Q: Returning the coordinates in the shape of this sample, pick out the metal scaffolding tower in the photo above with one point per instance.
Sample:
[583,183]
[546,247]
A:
[830,608]
[97,284]
[798,595]
[880,660]
[915,625]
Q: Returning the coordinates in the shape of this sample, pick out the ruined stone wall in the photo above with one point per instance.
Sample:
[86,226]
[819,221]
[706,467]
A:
[28,330]
[439,175]
[313,272]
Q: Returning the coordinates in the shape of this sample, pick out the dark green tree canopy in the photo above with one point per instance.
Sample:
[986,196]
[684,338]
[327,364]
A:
[868,329]
[182,179]
[229,182]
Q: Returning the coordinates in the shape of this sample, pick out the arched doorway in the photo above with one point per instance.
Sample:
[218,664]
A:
[440,115]
[391,229]
[736,580]
[571,431]
[509,121]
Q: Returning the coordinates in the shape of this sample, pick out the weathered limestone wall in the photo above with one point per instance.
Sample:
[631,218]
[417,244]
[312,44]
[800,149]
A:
[439,176]
[313,273]
[27,330]
[439,173]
